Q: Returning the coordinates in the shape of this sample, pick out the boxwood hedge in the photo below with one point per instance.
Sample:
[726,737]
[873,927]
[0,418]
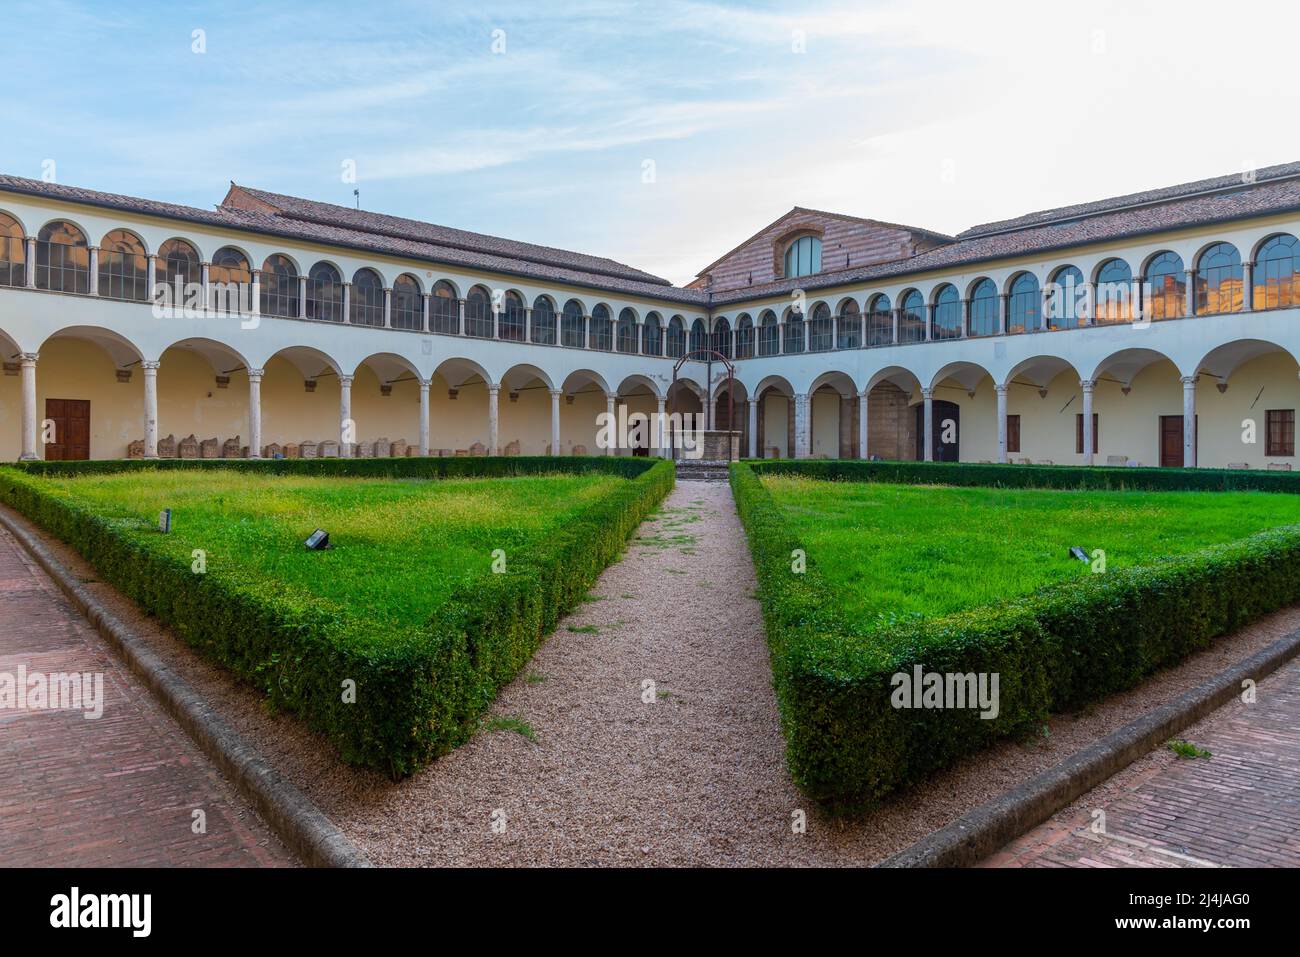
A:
[1055,650]
[416,697]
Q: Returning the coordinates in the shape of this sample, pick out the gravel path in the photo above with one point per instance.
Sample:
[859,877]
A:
[697,777]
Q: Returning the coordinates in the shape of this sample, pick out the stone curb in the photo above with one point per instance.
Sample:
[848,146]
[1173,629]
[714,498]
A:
[290,813]
[985,829]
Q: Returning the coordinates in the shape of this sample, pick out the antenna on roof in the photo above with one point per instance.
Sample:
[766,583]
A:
[357,194]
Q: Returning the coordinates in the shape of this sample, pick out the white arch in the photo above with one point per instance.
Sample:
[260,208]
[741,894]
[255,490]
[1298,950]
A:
[121,349]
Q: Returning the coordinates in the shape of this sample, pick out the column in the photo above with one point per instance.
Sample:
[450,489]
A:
[927,395]
[929,322]
[753,428]
[152,276]
[302,297]
[894,315]
[424,312]
[528,328]
[207,286]
[1004,309]
[555,421]
[807,334]
[1089,306]
[664,451]
[347,302]
[862,425]
[780,338]
[31,262]
[1088,450]
[493,421]
[496,320]
[1189,421]
[29,408]
[802,440]
[1002,423]
[424,416]
[150,368]
[1189,305]
[965,318]
[612,448]
[94,270]
[347,429]
[255,305]
[586,332]
[255,413]
[460,317]
[1247,287]
[388,308]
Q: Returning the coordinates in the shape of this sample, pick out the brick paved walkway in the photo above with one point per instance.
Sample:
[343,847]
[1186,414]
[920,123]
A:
[1238,808]
[119,790]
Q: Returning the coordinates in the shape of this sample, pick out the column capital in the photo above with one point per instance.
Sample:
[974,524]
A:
[927,394]
[611,396]
[345,380]
[150,365]
[255,375]
[424,383]
[29,358]
[1188,380]
[494,388]
[1087,385]
[556,393]
[1001,388]
[388,290]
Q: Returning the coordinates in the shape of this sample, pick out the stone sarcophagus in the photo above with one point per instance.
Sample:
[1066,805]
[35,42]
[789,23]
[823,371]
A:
[167,447]
[231,448]
[188,448]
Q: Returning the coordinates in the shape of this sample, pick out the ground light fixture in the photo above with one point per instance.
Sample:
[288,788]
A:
[1079,553]
[165,521]
[318,540]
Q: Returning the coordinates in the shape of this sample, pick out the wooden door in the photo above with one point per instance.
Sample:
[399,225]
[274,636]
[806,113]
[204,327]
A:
[941,411]
[1171,440]
[71,418]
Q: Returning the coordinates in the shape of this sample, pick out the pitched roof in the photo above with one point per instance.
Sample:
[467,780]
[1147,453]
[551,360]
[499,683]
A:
[1130,200]
[561,267]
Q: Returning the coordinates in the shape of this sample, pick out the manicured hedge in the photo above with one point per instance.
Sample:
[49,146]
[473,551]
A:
[417,696]
[1057,649]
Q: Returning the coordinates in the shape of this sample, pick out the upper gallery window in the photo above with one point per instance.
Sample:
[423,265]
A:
[803,257]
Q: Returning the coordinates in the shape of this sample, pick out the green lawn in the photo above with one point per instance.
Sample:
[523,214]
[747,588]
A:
[400,545]
[893,551]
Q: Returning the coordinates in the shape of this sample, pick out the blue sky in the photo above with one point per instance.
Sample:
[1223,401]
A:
[940,114]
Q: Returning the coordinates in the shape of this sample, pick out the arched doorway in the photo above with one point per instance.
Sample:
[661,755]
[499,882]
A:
[945,424]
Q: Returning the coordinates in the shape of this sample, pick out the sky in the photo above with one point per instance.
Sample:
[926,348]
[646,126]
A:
[660,134]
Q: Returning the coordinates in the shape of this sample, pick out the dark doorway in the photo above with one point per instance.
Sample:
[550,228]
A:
[942,412]
[71,418]
[1171,440]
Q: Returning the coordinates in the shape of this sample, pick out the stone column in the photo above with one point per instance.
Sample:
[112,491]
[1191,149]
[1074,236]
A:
[1189,305]
[207,286]
[424,312]
[1089,304]
[863,398]
[802,417]
[753,428]
[1189,421]
[302,297]
[1004,309]
[894,315]
[965,318]
[807,335]
[493,421]
[612,449]
[929,323]
[347,428]
[780,338]
[1088,451]
[1247,287]
[29,407]
[424,416]
[927,396]
[31,262]
[150,368]
[94,270]
[528,325]
[152,276]
[586,332]
[1002,423]
[496,320]
[255,413]
[555,420]
[388,308]
[347,302]
[460,317]
[665,451]
[255,307]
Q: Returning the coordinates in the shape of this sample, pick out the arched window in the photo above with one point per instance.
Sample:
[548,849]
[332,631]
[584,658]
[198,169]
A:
[848,327]
[13,252]
[769,334]
[880,321]
[62,259]
[1277,274]
[1065,301]
[408,303]
[794,332]
[230,281]
[1167,281]
[444,309]
[478,313]
[803,257]
[627,331]
[123,267]
[543,330]
[1025,305]
[602,328]
[179,268]
[722,337]
[324,293]
[279,287]
[911,318]
[821,331]
[676,337]
[699,336]
[947,313]
[984,303]
[1114,296]
[367,305]
[573,325]
[652,335]
[744,337]
[1219,279]
[513,318]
